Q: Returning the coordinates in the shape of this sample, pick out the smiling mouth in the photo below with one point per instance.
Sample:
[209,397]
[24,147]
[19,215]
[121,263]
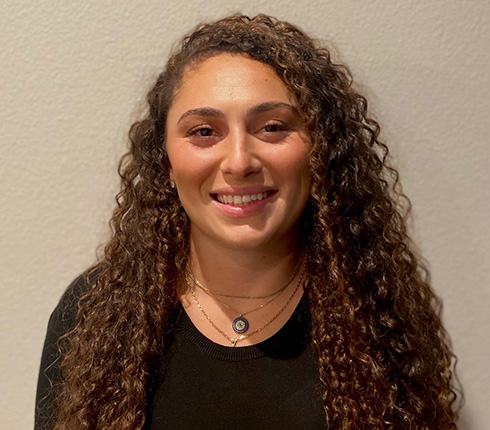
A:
[241,200]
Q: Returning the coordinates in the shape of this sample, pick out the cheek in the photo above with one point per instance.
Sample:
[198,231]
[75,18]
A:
[189,169]
[296,169]
[300,185]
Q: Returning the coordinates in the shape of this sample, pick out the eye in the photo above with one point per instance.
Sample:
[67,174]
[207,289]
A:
[203,135]
[274,132]
[201,131]
[275,127]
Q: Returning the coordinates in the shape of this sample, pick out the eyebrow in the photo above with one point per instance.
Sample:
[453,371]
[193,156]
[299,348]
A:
[254,110]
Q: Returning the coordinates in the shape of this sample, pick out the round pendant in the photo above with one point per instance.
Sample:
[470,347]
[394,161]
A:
[240,325]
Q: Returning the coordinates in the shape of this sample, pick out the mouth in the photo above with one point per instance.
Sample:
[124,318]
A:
[241,200]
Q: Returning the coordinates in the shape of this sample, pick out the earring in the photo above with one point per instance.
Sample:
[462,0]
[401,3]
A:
[173,185]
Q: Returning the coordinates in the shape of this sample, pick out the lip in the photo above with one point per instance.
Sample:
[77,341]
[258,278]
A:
[242,191]
[252,208]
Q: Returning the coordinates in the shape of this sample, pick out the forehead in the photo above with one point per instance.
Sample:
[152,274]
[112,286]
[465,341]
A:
[226,78]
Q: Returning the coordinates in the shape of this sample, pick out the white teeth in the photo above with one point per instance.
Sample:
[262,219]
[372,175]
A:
[242,200]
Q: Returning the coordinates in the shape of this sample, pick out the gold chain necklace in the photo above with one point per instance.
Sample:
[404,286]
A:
[240,324]
[216,293]
[236,311]
[234,341]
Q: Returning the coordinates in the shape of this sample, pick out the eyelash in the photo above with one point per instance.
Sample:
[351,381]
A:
[281,127]
[195,130]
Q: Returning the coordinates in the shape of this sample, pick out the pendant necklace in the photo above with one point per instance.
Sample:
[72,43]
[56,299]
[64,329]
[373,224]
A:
[232,340]
[240,324]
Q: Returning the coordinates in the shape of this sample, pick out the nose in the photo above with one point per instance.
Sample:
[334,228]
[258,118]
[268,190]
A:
[239,157]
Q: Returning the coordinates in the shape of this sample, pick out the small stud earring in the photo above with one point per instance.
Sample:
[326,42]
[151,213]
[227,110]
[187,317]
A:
[173,185]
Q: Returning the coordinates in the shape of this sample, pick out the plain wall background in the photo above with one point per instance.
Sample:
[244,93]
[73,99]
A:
[74,75]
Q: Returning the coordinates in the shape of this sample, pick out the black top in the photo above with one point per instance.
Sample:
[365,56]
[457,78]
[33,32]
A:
[203,385]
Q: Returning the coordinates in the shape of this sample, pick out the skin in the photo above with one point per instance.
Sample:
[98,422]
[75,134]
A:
[234,128]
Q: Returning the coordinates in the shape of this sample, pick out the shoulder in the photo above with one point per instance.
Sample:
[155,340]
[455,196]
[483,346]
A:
[62,321]
[63,318]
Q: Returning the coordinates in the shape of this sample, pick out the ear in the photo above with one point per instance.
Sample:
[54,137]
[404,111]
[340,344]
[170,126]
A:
[166,162]
[171,177]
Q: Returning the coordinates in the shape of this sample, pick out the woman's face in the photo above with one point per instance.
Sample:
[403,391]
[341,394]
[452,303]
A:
[238,153]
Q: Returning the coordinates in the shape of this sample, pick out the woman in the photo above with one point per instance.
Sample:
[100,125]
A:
[260,274]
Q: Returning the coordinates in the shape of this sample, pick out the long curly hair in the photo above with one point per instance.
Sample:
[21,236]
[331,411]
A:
[384,358]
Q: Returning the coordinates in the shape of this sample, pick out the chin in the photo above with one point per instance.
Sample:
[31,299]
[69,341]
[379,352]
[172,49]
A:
[247,244]
[253,240]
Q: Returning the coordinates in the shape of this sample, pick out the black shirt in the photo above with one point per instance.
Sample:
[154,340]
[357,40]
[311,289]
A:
[202,385]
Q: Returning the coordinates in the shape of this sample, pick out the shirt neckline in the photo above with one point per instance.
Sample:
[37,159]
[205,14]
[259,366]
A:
[288,341]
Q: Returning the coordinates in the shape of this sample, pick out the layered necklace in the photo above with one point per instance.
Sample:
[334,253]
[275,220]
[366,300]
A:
[240,324]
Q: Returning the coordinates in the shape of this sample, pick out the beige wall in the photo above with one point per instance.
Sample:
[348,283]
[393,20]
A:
[73,76]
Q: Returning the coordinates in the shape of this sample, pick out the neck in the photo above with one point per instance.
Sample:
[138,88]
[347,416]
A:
[257,271]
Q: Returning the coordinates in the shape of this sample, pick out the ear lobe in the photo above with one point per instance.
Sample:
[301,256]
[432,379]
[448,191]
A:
[171,179]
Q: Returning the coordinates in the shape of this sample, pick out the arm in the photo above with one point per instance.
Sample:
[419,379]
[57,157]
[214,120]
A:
[62,320]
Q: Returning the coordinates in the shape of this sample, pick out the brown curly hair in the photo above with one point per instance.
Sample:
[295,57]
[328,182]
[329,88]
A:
[384,358]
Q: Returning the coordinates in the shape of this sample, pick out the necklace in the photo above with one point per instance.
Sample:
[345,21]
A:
[240,324]
[216,293]
[232,340]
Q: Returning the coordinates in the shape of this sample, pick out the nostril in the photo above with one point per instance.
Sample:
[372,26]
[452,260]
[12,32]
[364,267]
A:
[241,162]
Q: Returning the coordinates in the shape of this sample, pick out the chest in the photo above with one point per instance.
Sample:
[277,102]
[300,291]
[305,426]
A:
[195,390]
